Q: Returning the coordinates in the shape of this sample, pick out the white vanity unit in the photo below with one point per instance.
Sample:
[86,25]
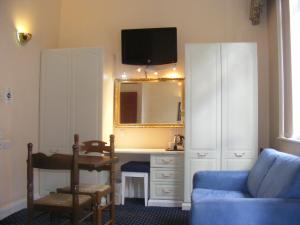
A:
[166,175]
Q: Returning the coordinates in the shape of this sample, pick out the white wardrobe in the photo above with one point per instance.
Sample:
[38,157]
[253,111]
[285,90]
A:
[71,96]
[221,109]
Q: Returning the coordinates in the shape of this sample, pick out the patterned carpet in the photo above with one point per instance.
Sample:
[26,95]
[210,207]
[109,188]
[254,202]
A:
[133,213]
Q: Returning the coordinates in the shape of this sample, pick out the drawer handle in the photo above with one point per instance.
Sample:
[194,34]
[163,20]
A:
[239,155]
[166,175]
[202,155]
[167,160]
[166,191]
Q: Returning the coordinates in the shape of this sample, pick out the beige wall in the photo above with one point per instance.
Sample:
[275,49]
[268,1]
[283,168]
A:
[99,22]
[20,72]
[274,85]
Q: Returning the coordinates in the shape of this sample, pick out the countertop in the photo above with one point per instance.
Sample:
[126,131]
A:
[146,151]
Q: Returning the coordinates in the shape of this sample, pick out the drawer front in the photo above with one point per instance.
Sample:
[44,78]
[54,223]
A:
[167,161]
[240,155]
[166,174]
[171,191]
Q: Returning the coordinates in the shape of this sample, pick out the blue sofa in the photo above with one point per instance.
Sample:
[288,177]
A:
[269,194]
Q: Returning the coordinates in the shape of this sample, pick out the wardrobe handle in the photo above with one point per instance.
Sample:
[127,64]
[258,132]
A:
[54,151]
[239,155]
[202,155]
[166,191]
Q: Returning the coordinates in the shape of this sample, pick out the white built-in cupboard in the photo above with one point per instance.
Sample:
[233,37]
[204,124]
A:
[71,96]
[221,109]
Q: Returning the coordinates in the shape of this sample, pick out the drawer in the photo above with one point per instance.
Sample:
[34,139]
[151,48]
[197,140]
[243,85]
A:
[240,155]
[171,191]
[163,160]
[166,174]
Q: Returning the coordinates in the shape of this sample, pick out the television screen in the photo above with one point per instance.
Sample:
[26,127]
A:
[152,46]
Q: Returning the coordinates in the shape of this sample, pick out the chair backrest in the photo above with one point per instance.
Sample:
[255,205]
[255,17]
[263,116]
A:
[96,146]
[53,162]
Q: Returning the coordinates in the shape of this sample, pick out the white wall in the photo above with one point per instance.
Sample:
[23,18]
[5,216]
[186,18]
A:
[20,71]
[99,23]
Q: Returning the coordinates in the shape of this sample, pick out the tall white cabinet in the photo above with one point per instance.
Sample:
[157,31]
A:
[221,109]
[71,95]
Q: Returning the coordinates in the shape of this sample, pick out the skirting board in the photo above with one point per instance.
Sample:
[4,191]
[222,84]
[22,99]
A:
[164,203]
[10,208]
[186,206]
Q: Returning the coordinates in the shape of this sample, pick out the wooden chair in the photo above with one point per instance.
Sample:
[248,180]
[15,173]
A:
[72,203]
[99,191]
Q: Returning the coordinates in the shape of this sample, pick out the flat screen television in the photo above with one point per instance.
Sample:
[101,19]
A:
[151,46]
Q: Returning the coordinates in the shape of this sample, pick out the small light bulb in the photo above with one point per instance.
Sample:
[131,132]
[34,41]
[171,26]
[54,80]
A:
[174,68]
[155,73]
[139,70]
[179,83]
[124,76]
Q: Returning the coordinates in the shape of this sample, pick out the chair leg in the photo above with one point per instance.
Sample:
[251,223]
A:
[123,188]
[99,215]
[113,209]
[95,222]
[29,216]
[146,189]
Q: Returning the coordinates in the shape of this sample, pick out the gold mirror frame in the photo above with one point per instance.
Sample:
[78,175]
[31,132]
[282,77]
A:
[117,87]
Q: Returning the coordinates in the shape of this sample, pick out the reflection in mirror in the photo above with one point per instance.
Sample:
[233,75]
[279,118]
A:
[152,102]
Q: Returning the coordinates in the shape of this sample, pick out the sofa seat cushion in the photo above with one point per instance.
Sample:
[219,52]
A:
[201,193]
[280,176]
[260,170]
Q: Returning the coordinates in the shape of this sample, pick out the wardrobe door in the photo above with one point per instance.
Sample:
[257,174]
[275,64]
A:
[203,110]
[55,97]
[239,105]
[86,99]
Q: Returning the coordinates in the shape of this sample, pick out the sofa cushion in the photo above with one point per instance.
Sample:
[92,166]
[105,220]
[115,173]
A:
[260,170]
[280,176]
[201,193]
[294,189]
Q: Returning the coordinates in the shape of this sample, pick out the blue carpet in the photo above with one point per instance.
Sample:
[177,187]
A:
[133,213]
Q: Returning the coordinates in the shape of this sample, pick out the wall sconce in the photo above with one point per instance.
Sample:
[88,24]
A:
[23,37]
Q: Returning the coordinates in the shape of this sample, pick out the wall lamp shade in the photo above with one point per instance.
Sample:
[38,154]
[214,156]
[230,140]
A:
[23,37]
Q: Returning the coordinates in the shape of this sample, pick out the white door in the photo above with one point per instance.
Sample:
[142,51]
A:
[55,100]
[239,105]
[203,109]
[86,100]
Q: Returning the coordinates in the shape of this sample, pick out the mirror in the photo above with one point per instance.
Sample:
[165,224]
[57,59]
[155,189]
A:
[149,102]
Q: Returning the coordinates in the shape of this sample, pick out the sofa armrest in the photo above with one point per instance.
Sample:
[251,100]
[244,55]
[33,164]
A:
[245,211]
[221,180]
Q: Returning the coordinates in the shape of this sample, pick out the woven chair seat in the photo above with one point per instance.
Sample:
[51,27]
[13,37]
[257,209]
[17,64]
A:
[61,200]
[88,188]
